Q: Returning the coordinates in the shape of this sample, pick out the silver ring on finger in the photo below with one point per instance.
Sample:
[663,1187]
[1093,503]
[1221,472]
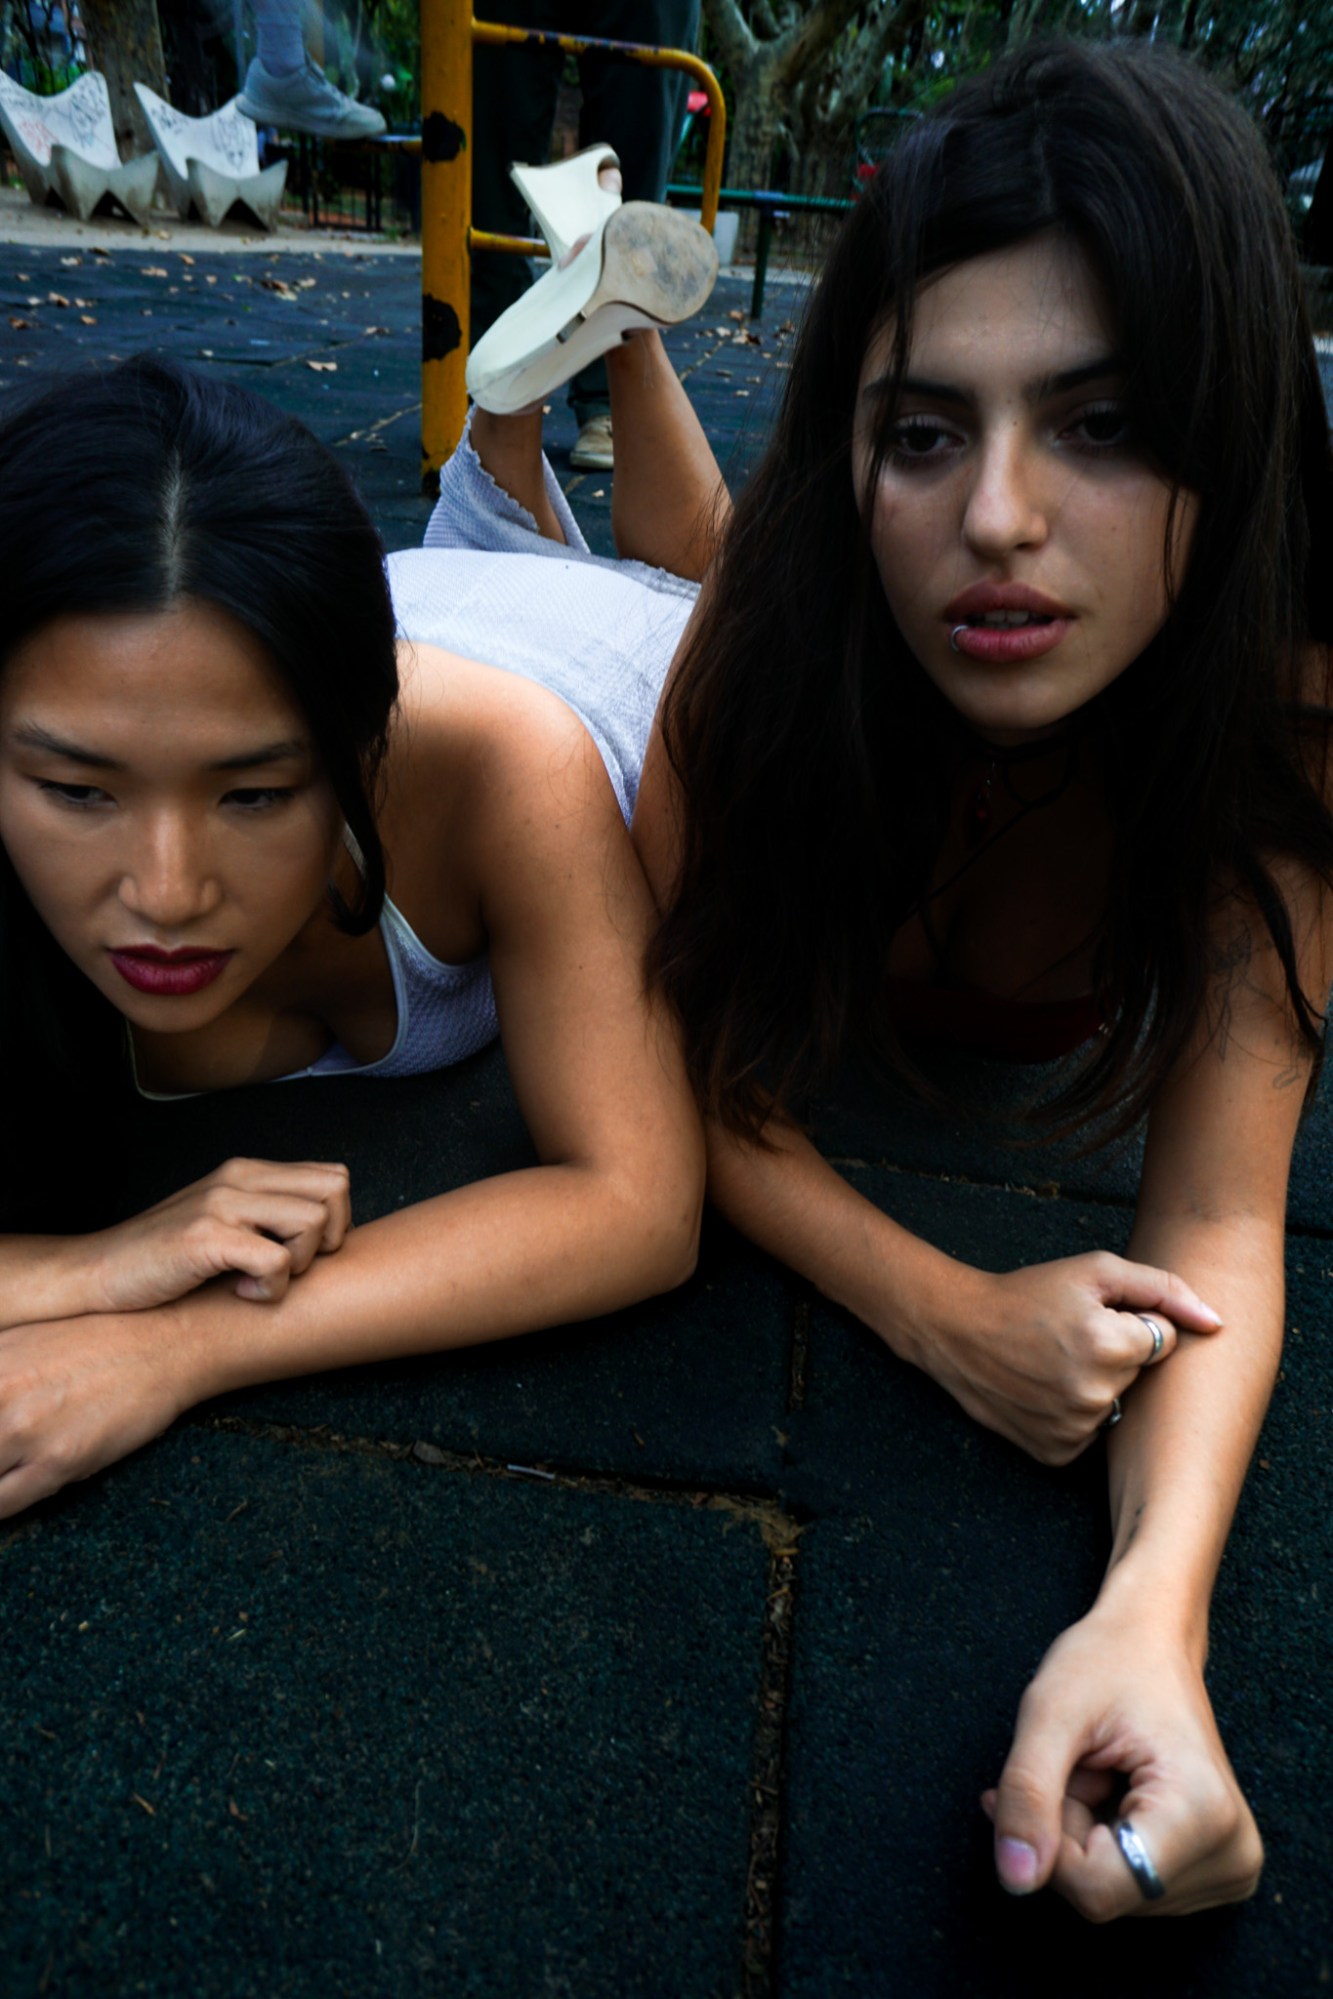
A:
[1110,1420]
[1139,1862]
[1158,1338]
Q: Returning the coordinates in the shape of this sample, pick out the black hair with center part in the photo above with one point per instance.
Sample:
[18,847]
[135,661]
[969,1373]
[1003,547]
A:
[814,756]
[132,488]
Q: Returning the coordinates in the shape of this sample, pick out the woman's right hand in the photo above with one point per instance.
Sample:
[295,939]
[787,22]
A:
[266,1220]
[1041,1354]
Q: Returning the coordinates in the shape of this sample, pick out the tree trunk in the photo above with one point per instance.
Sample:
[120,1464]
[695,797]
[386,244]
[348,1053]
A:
[754,128]
[125,43]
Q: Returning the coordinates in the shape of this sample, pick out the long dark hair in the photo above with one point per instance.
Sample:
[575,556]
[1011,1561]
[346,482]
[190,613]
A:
[813,754]
[133,487]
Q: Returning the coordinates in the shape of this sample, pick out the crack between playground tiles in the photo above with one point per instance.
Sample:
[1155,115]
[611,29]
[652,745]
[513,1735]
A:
[768,1788]
[777,1527]
[780,1533]
[1040,1190]
[374,429]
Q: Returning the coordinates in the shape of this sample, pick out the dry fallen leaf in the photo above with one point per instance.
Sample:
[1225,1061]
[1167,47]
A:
[323,367]
[87,319]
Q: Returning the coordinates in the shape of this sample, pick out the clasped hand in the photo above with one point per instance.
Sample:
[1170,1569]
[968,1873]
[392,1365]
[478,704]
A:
[80,1391]
[1118,1725]
[266,1220]
[1040,1354]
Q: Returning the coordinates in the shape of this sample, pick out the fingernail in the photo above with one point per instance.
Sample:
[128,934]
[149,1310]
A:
[1017,1865]
[1210,1314]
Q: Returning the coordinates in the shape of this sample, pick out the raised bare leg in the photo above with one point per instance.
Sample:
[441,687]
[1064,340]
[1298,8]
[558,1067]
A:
[510,449]
[668,500]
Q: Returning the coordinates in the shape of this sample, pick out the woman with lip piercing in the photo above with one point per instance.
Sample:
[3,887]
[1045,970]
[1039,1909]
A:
[1002,720]
[1001,715]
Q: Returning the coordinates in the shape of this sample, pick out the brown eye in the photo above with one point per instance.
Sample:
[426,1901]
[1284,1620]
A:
[1102,427]
[77,795]
[917,440]
[254,798]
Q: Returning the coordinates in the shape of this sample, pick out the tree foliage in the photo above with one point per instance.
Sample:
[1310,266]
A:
[802,77]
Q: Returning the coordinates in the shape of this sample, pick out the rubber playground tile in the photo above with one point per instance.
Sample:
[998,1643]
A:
[977,1132]
[620,1394]
[941,1563]
[906,1678]
[282,1721]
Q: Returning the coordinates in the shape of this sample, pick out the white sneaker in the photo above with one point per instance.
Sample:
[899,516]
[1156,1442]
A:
[592,451]
[305,101]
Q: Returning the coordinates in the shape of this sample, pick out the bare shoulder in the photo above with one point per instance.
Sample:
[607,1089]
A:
[472,737]
[491,775]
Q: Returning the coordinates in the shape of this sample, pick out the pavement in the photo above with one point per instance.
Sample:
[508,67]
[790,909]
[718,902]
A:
[662,1657]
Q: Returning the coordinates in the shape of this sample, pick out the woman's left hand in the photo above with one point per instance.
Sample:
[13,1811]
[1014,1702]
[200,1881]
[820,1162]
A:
[1117,1725]
[76,1394]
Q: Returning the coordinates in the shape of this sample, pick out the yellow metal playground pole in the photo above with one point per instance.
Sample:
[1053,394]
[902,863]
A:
[448,34]
[446,213]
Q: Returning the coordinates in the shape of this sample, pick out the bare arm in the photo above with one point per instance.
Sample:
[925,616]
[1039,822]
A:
[609,1215]
[1037,1354]
[1121,1695]
[264,1220]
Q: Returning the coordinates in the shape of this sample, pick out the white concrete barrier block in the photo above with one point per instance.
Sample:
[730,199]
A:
[65,145]
[212,163]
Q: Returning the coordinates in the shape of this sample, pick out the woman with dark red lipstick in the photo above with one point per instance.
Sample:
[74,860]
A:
[1002,720]
[248,834]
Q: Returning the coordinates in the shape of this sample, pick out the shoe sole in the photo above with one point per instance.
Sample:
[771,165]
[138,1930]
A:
[656,268]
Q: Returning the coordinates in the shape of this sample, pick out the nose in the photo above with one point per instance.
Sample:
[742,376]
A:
[169,882]
[1006,507]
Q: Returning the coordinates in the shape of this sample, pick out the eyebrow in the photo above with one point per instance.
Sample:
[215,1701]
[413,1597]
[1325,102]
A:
[33,737]
[1041,390]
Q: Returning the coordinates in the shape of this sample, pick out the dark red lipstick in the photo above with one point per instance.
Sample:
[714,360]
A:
[169,974]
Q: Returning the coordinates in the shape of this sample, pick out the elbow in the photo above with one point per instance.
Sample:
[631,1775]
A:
[662,1218]
[684,1257]
[671,1244]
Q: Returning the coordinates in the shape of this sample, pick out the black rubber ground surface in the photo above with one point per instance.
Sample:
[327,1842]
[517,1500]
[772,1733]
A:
[662,1656]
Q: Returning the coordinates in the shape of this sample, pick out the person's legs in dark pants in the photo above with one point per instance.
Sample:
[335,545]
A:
[639,111]
[513,108]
